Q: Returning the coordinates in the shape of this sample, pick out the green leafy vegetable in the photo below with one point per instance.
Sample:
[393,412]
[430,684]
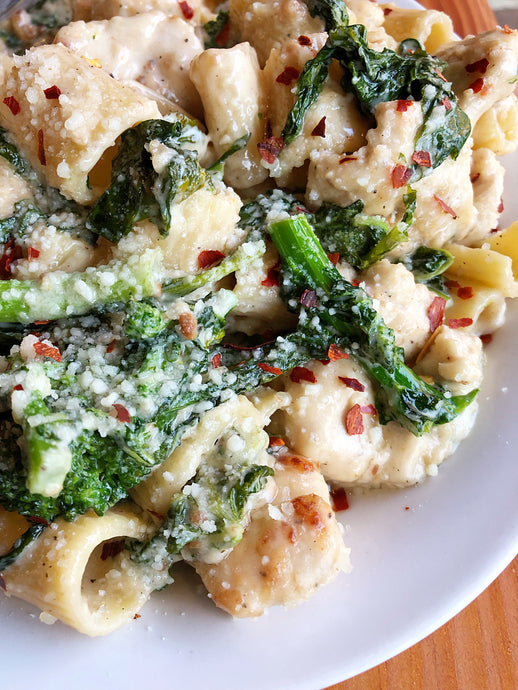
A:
[333,12]
[360,240]
[377,77]
[216,31]
[30,534]
[138,190]
[11,154]
[428,265]
[238,145]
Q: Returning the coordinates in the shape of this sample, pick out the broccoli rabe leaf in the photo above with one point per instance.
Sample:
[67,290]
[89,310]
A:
[217,31]
[224,502]
[11,154]
[428,265]
[138,191]
[377,77]
[333,12]
[25,214]
[30,534]
[361,240]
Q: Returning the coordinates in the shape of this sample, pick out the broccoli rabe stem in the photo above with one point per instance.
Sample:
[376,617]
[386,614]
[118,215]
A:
[244,255]
[348,319]
[59,295]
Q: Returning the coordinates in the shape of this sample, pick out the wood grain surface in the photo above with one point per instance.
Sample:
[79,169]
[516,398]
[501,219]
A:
[478,649]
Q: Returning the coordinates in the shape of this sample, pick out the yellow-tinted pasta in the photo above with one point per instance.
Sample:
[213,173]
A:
[88,115]
[430,27]
[66,574]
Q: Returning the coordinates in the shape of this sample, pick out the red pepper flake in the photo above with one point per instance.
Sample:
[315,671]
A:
[447,103]
[32,253]
[137,616]
[334,258]
[52,93]
[451,284]
[486,338]
[324,362]
[223,36]
[18,387]
[188,325]
[41,323]
[112,549]
[122,413]
[288,75]
[209,257]
[47,351]
[111,346]
[298,374]
[422,158]
[400,176]
[270,370]
[12,252]
[507,29]
[403,106]
[368,409]
[465,292]
[216,361]
[479,66]
[187,10]
[435,313]
[270,148]
[41,148]
[273,277]
[440,74]
[445,206]
[477,85]
[475,177]
[304,40]
[339,499]
[276,442]
[355,282]
[335,353]
[354,421]
[386,11]
[320,129]
[38,520]
[347,159]
[500,208]
[352,383]
[309,299]
[460,323]
[12,104]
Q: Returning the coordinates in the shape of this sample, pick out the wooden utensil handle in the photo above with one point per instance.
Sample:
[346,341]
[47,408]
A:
[469,16]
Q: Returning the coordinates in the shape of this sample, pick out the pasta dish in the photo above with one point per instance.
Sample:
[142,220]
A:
[251,257]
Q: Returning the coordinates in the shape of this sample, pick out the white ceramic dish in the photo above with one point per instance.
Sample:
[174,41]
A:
[413,570]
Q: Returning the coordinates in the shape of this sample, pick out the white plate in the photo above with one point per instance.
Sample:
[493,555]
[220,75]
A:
[413,570]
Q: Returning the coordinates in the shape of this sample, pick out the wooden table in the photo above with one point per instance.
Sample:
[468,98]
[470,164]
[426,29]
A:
[478,649]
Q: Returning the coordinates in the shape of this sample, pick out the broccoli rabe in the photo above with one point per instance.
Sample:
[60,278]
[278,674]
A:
[359,239]
[345,315]
[377,77]
[207,518]
[144,185]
